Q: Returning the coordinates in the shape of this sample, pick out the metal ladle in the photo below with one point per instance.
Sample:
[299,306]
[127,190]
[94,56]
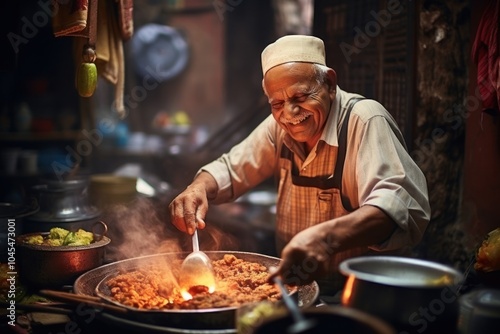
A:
[301,324]
[196,269]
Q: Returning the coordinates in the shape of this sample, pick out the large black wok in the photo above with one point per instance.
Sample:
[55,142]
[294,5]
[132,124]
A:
[206,319]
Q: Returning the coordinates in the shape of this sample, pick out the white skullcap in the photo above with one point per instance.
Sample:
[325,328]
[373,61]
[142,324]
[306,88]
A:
[293,48]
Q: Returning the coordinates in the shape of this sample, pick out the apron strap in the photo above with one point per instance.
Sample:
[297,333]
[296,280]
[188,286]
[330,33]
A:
[339,166]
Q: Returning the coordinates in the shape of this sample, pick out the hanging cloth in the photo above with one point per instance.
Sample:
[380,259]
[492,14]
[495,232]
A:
[104,25]
[70,18]
[485,54]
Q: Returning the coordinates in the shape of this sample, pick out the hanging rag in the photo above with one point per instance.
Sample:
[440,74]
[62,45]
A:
[125,19]
[485,53]
[106,32]
[70,18]
[109,51]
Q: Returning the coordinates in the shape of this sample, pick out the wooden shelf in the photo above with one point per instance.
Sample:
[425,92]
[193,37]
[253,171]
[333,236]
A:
[48,136]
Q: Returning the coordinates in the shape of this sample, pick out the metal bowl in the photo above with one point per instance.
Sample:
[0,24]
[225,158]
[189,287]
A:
[42,266]
[411,294]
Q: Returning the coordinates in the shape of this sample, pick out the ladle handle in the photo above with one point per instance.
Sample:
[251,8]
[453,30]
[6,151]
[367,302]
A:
[289,303]
[196,245]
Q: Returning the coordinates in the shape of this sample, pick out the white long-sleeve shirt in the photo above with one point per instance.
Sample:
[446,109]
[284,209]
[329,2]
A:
[378,171]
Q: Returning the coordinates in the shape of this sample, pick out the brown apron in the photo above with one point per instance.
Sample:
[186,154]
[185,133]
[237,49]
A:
[329,203]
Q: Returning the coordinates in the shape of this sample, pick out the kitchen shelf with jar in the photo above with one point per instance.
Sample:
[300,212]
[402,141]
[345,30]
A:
[43,120]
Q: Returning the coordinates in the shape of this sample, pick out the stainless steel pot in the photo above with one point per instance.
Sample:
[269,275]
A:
[62,204]
[200,319]
[479,312]
[43,266]
[415,296]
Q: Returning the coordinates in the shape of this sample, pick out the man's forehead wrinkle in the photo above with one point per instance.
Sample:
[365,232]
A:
[285,93]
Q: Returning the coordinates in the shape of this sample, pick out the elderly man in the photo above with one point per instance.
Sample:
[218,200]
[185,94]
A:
[346,185]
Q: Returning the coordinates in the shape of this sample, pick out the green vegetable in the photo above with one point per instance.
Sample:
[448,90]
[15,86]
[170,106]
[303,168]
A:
[34,240]
[84,236]
[70,238]
[27,299]
[53,242]
[61,237]
[79,238]
[86,79]
[247,321]
[6,288]
[58,233]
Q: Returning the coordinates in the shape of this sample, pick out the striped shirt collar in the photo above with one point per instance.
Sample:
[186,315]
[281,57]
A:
[336,117]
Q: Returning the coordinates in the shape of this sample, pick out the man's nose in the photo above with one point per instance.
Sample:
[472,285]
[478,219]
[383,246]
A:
[291,108]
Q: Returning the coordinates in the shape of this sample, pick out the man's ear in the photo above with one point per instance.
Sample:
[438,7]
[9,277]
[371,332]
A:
[331,78]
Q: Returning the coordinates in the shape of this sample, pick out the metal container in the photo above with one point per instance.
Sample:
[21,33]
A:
[43,266]
[413,295]
[62,204]
[480,312]
[108,190]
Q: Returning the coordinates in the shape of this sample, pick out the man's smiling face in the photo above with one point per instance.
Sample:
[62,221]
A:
[299,103]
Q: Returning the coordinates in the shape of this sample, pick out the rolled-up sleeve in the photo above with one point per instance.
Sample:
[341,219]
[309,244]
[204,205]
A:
[247,164]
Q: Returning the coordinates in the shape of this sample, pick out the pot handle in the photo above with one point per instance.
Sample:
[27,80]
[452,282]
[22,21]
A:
[97,236]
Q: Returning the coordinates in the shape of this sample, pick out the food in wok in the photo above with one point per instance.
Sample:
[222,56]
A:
[155,288]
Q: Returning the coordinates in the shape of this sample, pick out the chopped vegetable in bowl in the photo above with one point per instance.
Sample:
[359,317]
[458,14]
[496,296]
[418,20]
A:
[61,237]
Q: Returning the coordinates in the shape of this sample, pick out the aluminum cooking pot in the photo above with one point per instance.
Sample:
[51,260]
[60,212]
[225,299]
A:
[415,296]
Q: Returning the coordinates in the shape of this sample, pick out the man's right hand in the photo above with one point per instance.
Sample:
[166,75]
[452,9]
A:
[189,208]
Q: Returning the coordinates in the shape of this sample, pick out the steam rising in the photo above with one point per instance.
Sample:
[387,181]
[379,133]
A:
[143,227]
[138,229]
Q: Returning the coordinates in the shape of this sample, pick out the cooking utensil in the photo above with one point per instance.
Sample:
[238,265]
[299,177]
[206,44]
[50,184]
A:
[39,308]
[18,210]
[79,299]
[330,319]
[214,318]
[479,312]
[62,204]
[397,289]
[300,323]
[196,269]
[42,266]
[108,190]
